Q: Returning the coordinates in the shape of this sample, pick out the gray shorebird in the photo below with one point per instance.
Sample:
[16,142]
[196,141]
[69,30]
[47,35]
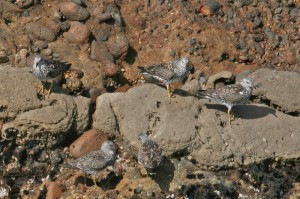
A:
[95,161]
[230,95]
[150,153]
[46,69]
[169,72]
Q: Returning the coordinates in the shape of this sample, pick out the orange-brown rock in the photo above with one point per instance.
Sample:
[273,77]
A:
[78,33]
[74,12]
[89,141]
[55,189]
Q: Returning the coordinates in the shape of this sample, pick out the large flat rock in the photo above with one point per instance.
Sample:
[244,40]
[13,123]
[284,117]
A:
[30,120]
[197,127]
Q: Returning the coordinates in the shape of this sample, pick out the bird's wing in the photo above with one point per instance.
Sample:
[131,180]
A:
[94,160]
[56,68]
[228,92]
[160,71]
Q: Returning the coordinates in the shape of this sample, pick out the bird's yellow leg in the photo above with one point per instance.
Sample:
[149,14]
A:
[49,91]
[41,88]
[84,179]
[169,92]
[95,182]
[230,116]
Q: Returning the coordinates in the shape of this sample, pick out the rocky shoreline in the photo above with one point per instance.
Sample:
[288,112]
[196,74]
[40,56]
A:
[103,97]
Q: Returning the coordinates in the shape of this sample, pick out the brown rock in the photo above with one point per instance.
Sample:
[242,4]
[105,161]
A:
[99,52]
[54,26]
[111,69]
[90,140]
[3,57]
[123,88]
[205,10]
[74,73]
[118,45]
[104,17]
[74,12]
[55,190]
[78,33]
[38,31]
[1,124]
[24,3]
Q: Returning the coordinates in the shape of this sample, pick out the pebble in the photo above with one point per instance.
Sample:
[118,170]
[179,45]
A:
[54,190]
[99,52]
[40,44]
[118,45]
[23,53]
[94,93]
[74,12]
[24,3]
[65,26]
[110,69]
[74,73]
[38,31]
[74,85]
[89,141]
[78,33]
[104,17]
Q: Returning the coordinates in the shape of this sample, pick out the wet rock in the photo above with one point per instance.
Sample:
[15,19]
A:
[146,108]
[110,69]
[89,141]
[74,12]
[275,82]
[225,76]
[34,121]
[118,45]
[55,190]
[78,33]
[99,52]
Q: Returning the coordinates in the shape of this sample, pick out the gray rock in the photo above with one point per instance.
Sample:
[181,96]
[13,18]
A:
[33,121]
[243,74]
[99,52]
[281,88]
[190,125]
[227,76]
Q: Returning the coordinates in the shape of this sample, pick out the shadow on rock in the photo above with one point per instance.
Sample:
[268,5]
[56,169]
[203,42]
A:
[250,111]
[164,174]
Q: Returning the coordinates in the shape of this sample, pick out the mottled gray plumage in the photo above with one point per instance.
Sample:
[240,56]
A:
[45,69]
[95,161]
[150,153]
[168,72]
[230,95]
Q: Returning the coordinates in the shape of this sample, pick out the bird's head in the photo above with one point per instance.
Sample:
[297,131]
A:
[247,83]
[108,146]
[33,60]
[185,61]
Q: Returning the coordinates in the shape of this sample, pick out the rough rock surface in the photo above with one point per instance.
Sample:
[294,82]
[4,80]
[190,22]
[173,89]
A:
[280,88]
[194,126]
[31,120]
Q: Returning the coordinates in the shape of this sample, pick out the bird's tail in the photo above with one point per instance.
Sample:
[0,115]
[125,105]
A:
[66,165]
[142,69]
[204,94]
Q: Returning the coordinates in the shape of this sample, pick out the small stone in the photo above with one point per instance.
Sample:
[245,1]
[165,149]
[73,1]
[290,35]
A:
[40,44]
[74,85]
[24,3]
[74,73]
[38,31]
[110,69]
[205,10]
[118,45]
[99,52]
[54,190]
[23,53]
[79,2]
[74,12]
[243,58]
[89,141]
[65,26]
[104,17]
[47,52]
[1,125]
[78,33]
[94,93]
[143,172]
[258,22]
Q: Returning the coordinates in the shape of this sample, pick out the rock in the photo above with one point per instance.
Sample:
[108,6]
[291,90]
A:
[54,26]
[118,45]
[74,12]
[104,17]
[1,125]
[94,93]
[99,52]
[145,108]
[243,74]
[3,57]
[74,85]
[225,76]
[279,87]
[91,140]
[24,3]
[78,33]
[110,69]
[55,190]
[40,44]
[191,86]
[74,73]
[38,31]
[23,53]
[205,10]
[32,121]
